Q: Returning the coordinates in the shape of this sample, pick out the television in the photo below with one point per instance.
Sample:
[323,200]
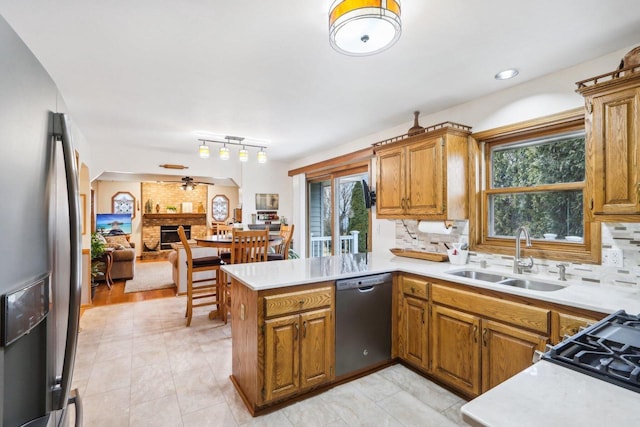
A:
[369,196]
[110,224]
[267,202]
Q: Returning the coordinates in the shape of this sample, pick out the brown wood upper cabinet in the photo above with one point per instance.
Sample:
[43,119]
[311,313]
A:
[424,176]
[613,144]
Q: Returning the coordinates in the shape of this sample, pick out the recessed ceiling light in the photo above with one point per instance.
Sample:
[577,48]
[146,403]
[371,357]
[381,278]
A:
[506,74]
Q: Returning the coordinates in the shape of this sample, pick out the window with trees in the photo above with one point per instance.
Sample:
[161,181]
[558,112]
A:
[533,175]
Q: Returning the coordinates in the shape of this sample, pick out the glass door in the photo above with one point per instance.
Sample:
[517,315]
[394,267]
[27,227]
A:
[338,218]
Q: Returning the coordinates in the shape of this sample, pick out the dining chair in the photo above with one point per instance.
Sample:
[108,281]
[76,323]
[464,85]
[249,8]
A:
[282,250]
[246,246]
[203,291]
[224,230]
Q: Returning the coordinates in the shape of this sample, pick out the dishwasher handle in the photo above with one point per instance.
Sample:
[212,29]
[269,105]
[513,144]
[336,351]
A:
[364,282]
[364,289]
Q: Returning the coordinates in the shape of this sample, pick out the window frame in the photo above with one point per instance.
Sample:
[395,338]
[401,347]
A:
[589,251]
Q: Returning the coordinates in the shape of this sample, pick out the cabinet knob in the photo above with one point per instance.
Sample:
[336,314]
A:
[295,333]
[475,333]
[484,337]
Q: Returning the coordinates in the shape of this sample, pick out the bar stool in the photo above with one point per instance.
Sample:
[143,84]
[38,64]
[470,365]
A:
[207,291]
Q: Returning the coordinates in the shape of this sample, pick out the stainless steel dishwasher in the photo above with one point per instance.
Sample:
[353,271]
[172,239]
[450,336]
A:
[363,322]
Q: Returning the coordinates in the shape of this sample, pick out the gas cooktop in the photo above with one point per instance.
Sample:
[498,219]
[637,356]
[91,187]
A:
[608,350]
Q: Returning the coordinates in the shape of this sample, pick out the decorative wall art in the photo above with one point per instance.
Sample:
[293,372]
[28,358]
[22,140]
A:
[124,203]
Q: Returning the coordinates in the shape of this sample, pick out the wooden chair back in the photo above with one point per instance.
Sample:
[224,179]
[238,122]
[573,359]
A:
[224,230]
[286,233]
[249,246]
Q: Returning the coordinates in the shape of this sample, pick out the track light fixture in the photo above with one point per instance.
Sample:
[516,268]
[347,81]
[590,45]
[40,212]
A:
[243,153]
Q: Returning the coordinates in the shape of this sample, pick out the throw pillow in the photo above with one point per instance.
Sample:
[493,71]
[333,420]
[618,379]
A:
[117,242]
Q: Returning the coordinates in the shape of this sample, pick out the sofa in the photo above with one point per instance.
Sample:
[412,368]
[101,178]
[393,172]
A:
[178,260]
[124,257]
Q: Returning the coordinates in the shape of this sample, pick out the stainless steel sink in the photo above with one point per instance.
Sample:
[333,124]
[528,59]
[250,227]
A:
[478,275]
[499,279]
[534,285]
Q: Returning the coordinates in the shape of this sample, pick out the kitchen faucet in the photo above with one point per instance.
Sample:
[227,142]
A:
[519,265]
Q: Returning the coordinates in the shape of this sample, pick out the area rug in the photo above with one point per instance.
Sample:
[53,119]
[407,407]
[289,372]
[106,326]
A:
[149,276]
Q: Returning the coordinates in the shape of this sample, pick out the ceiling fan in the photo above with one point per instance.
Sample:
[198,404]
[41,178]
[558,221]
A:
[188,183]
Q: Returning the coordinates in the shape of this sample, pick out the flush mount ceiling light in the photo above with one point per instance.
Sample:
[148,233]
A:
[203,151]
[364,27]
[243,153]
[506,74]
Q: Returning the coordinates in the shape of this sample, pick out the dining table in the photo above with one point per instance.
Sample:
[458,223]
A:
[216,241]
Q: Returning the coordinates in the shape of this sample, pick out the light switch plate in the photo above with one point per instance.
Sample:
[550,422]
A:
[612,257]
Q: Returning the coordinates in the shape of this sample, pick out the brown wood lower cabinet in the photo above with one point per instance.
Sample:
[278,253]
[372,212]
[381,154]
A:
[474,354]
[297,353]
[283,342]
[455,348]
[413,324]
[506,351]
[415,332]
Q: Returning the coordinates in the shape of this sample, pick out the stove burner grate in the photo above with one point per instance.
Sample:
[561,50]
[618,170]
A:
[609,350]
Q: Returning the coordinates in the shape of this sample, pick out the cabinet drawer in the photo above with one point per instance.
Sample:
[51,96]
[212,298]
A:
[522,315]
[413,286]
[291,302]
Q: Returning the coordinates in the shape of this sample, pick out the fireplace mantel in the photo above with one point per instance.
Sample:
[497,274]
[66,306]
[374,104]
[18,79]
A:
[151,219]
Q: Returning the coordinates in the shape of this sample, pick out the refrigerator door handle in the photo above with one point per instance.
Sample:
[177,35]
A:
[74,399]
[63,386]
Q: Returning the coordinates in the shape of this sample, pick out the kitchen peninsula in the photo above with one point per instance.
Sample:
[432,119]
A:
[283,317]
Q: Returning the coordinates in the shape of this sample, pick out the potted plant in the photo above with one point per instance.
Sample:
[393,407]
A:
[98,247]
[172,209]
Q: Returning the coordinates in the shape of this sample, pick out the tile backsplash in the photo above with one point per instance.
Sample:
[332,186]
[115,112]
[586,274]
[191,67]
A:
[623,236]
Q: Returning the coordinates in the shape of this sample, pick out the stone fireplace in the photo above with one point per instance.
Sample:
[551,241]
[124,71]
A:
[161,198]
[155,245]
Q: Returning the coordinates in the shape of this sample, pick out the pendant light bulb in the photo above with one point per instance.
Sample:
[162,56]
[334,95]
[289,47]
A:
[224,152]
[204,151]
[243,154]
[262,156]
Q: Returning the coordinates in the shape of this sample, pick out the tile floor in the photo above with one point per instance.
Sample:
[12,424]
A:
[138,365]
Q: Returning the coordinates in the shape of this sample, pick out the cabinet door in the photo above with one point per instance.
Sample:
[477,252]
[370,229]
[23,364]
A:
[316,347]
[425,178]
[615,137]
[390,185]
[566,325]
[415,332]
[455,348]
[506,351]
[281,375]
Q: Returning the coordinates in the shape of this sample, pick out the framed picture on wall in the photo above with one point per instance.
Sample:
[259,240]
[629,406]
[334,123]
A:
[267,201]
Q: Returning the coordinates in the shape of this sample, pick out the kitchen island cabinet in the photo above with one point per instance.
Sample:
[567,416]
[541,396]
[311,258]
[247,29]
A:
[282,342]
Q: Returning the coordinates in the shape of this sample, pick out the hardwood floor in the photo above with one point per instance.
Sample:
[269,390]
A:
[116,295]
[105,296]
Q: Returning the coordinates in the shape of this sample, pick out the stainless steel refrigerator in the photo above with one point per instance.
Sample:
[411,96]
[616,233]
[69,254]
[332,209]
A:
[40,253]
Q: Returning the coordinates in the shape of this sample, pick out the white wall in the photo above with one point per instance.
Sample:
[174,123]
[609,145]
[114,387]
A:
[544,96]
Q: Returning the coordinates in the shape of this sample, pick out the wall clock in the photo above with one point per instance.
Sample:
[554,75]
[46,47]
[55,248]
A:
[124,203]
[220,208]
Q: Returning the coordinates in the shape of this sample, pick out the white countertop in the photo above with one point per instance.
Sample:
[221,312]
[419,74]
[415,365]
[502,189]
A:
[546,394]
[277,274]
